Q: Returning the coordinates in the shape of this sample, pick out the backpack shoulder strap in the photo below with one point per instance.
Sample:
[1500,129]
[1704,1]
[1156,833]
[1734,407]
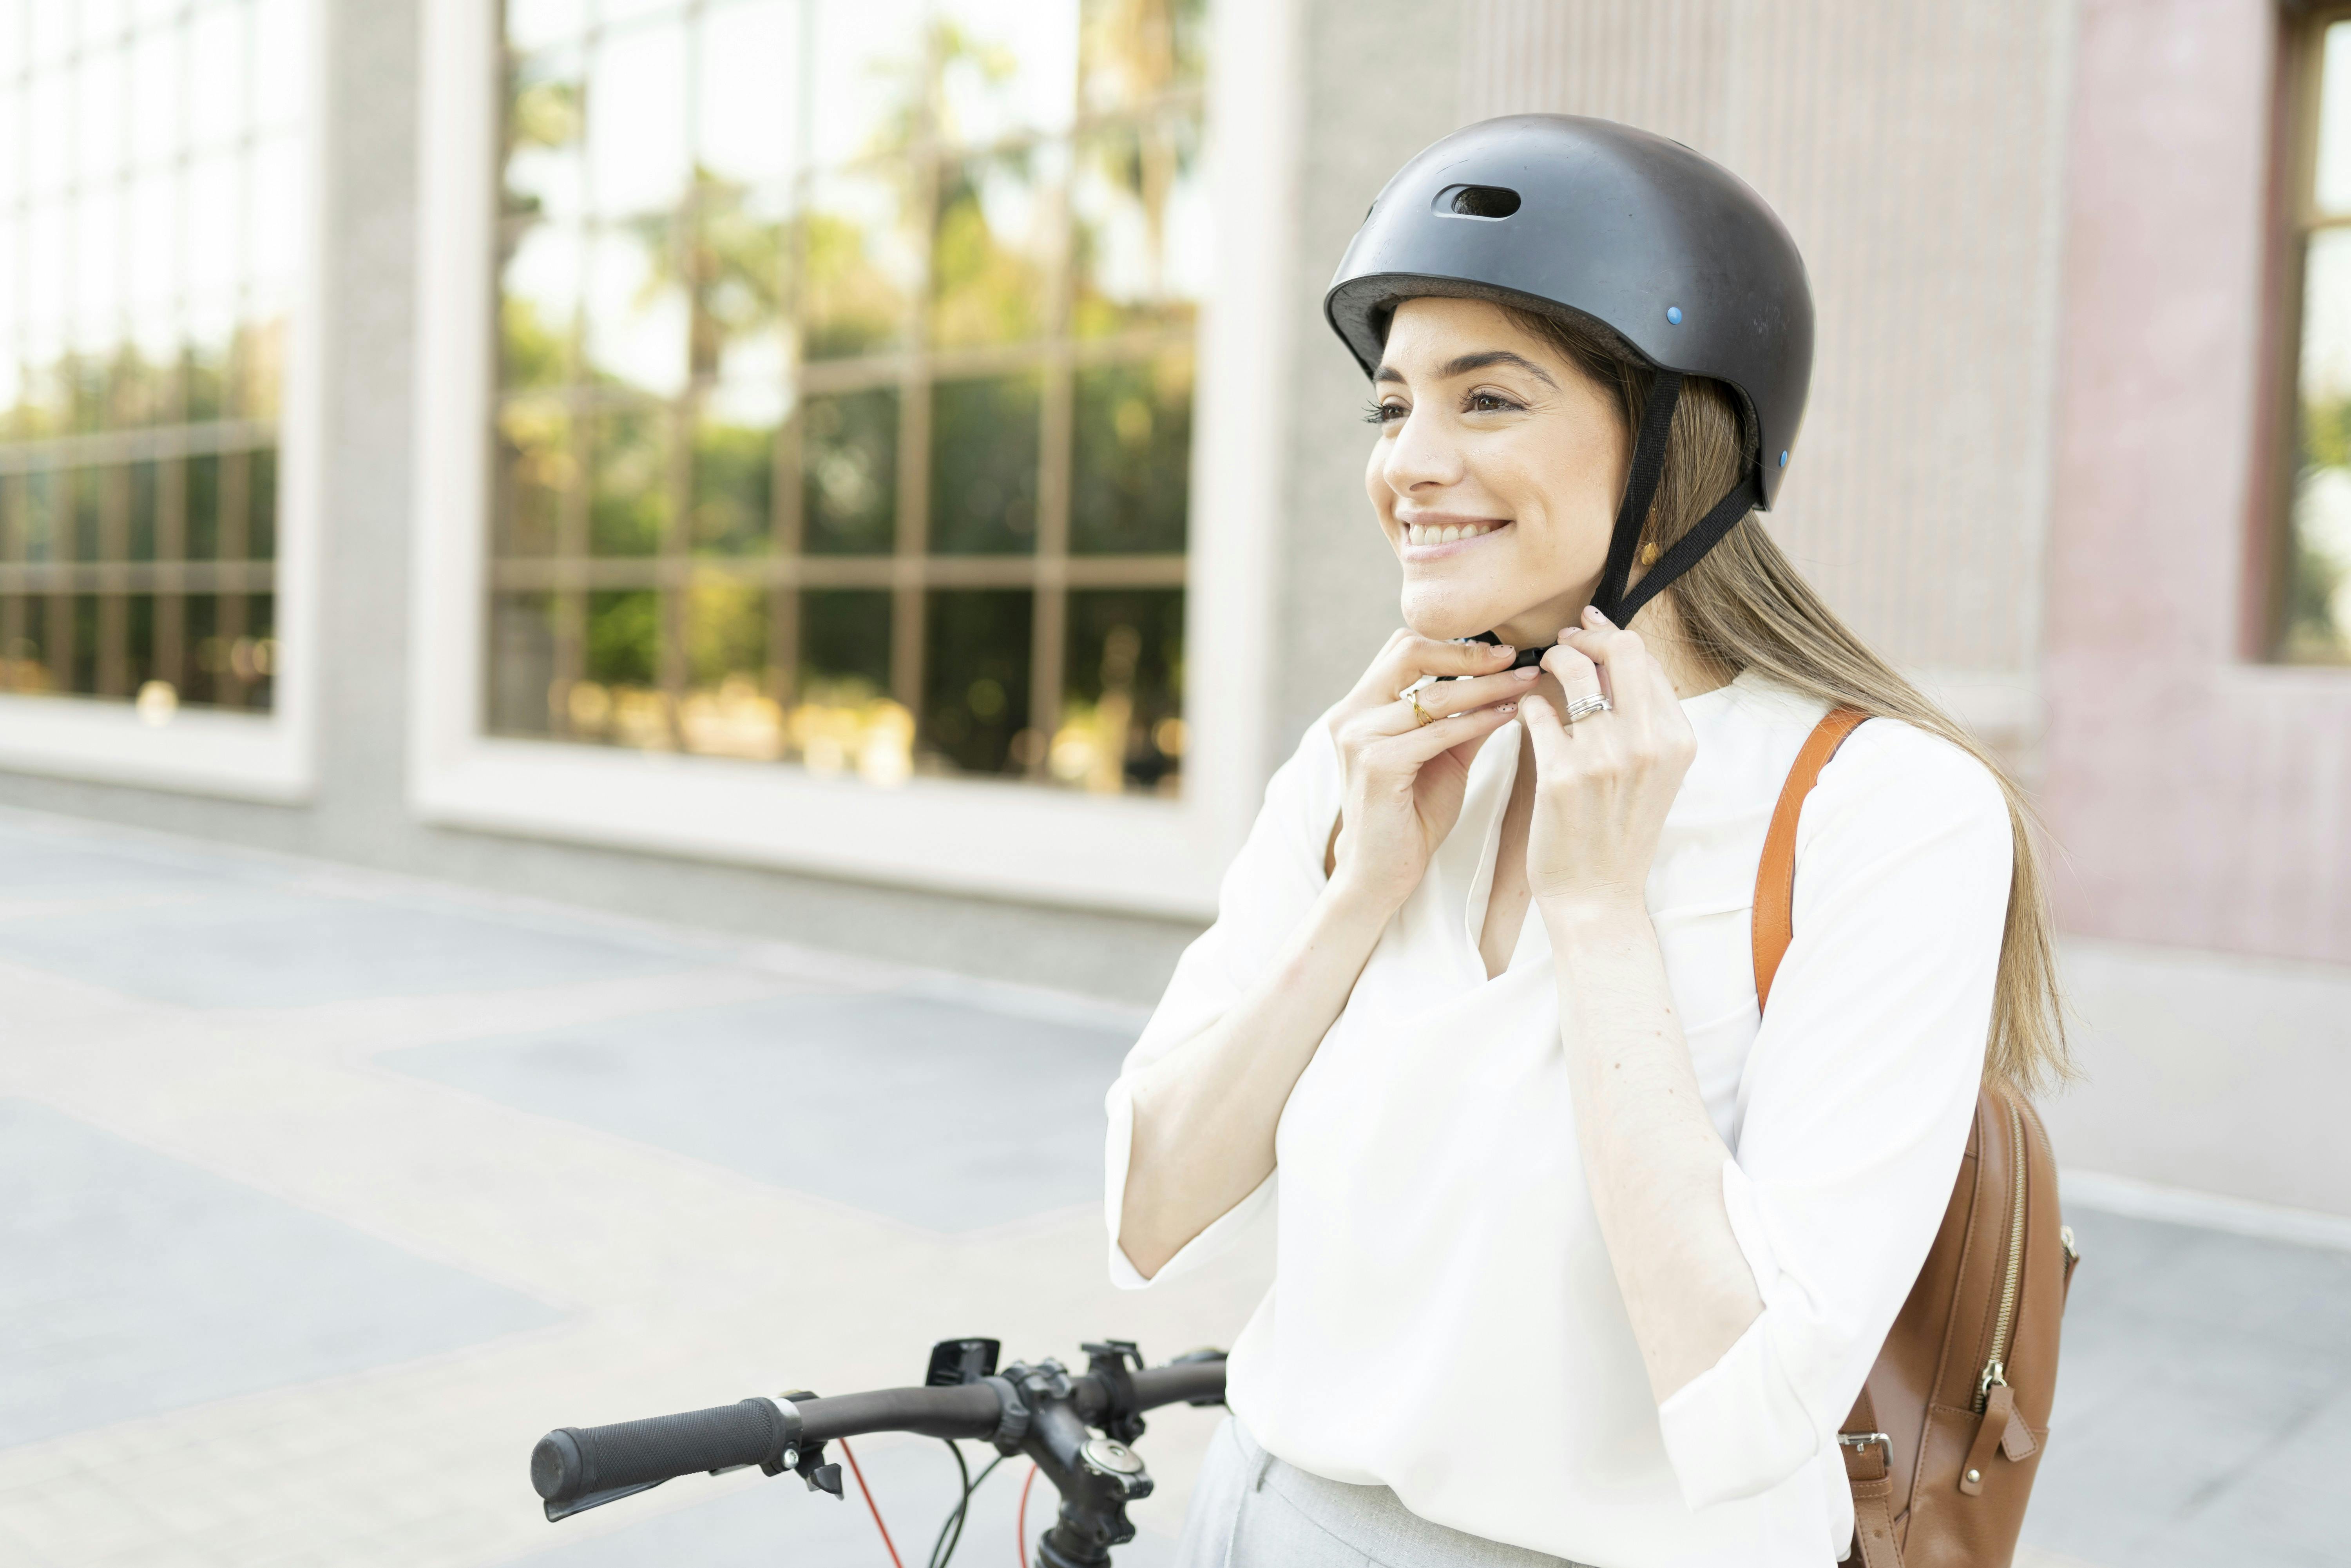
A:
[1775,875]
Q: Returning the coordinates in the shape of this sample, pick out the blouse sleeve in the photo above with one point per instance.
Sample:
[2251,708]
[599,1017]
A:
[1267,891]
[1854,1106]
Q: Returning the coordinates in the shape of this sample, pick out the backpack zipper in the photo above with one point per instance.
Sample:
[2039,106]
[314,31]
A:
[1995,1371]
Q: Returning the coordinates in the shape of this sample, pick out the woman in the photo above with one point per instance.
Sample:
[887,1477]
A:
[1579,1257]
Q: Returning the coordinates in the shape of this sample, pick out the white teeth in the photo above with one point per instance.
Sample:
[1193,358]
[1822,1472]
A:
[1412,534]
[1451,534]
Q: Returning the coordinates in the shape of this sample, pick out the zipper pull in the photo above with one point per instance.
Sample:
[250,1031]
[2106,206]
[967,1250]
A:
[1994,1375]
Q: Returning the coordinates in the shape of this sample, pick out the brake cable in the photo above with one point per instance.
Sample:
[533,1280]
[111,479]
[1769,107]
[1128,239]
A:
[859,1471]
[1020,1522]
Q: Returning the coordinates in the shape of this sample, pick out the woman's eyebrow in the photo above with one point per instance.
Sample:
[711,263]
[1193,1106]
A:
[1463,364]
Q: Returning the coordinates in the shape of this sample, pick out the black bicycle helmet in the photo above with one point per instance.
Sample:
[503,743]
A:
[1667,250]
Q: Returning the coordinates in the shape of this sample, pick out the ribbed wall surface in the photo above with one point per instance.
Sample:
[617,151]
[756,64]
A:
[1914,150]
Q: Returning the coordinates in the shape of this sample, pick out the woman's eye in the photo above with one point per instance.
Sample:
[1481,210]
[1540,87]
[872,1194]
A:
[1490,402]
[1384,413]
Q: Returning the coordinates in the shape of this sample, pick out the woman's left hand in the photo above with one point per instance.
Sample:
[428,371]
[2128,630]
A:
[1603,785]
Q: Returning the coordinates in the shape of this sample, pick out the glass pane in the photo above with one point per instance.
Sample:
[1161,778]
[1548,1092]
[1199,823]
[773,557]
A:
[1139,221]
[2318,564]
[859,264]
[1121,725]
[867,80]
[215,218]
[216,58]
[727,712]
[841,720]
[849,473]
[42,491]
[546,176]
[274,218]
[624,638]
[636,312]
[628,499]
[82,496]
[1006,66]
[975,679]
[97,129]
[154,103]
[137,634]
[734,476]
[638,123]
[984,437]
[531,23]
[989,255]
[261,504]
[745,102]
[2333,193]
[1132,51]
[152,220]
[735,275]
[203,531]
[204,656]
[522,664]
[535,470]
[539,307]
[143,484]
[1131,458]
[280,45]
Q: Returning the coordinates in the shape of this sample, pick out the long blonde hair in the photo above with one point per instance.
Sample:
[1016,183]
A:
[1744,606]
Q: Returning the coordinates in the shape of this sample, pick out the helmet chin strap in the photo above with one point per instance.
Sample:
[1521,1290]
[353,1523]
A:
[1611,598]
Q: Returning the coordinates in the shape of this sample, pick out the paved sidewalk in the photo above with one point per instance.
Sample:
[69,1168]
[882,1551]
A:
[323,1193]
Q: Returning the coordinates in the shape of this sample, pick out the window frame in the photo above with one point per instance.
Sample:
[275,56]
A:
[2295,220]
[266,757]
[981,836]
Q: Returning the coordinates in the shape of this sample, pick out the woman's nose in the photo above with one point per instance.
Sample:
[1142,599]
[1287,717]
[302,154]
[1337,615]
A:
[1421,454]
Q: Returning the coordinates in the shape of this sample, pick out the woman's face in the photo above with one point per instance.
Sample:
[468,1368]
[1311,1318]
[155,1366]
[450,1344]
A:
[1496,474]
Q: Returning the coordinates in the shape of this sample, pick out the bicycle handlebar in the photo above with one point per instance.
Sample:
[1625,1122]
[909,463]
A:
[573,1464]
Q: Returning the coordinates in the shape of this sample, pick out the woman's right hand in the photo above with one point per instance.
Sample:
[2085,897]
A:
[1404,779]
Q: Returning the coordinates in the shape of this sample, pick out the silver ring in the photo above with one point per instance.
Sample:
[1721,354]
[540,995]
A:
[1585,707]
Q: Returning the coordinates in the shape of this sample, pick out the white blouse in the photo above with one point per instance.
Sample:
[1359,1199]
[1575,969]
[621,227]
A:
[1444,1319]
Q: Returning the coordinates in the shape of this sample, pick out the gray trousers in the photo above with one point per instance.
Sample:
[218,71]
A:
[1250,1510]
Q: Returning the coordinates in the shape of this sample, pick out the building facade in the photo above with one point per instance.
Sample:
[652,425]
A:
[876,476]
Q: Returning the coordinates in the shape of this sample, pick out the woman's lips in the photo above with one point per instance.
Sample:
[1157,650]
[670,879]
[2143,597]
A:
[1427,541]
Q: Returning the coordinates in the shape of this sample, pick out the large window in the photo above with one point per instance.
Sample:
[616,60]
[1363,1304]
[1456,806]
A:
[148,249]
[846,385]
[2314,619]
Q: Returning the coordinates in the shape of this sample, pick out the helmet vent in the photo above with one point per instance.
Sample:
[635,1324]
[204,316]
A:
[1478,200]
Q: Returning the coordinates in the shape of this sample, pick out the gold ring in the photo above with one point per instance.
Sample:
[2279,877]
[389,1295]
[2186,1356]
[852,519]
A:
[1420,715]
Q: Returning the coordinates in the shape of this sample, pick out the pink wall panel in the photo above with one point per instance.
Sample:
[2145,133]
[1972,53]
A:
[2198,799]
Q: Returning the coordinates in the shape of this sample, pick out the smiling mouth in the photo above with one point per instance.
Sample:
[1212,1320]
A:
[1448,533]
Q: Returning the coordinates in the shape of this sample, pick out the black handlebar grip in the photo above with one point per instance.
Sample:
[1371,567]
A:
[573,1462]
[1193,1382]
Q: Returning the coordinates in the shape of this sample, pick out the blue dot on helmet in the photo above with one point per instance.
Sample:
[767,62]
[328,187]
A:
[1674,314]
[1783,460]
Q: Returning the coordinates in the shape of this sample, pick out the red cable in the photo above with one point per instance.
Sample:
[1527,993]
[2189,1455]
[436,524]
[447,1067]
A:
[1020,1526]
[856,1469]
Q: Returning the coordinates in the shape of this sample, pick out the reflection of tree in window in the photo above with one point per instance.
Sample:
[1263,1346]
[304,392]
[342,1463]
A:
[983,466]
[848,463]
[2315,595]
[831,402]
[1133,458]
[1121,723]
[976,695]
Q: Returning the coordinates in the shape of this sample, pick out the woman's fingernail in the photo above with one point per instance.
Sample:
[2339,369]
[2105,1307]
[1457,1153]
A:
[1506,649]
[1506,707]
[1591,612]
[1528,673]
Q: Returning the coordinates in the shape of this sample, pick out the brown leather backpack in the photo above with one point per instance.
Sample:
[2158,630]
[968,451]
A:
[1941,1446]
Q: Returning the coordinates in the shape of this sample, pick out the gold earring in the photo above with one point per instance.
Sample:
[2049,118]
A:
[1649,553]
